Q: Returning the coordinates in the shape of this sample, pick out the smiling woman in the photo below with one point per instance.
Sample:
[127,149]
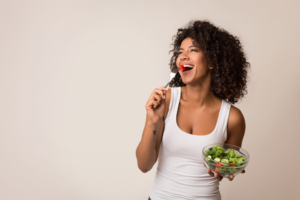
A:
[211,74]
[221,51]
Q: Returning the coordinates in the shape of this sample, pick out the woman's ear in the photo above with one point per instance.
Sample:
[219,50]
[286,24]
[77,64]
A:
[210,67]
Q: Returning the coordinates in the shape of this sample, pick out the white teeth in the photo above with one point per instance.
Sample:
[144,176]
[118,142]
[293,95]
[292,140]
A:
[190,66]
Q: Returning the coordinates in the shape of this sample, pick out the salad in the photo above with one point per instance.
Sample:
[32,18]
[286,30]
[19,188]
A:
[224,162]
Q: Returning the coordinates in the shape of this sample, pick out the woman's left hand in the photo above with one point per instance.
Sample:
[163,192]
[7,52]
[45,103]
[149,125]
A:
[218,177]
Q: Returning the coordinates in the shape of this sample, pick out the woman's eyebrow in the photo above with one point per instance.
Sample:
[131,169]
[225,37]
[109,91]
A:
[188,47]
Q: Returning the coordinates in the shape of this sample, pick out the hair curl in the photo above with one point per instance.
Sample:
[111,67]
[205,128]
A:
[223,52]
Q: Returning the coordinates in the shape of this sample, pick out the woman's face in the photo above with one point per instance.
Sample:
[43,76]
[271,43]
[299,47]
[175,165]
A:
[189,54]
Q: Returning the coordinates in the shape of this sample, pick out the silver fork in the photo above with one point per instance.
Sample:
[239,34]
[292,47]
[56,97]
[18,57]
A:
[170,81]
[167,84]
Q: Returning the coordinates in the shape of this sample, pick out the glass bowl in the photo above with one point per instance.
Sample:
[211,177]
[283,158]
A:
[226,169]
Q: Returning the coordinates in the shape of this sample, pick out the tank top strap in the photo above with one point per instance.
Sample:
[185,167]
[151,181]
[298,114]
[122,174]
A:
[175,95]
[223,119]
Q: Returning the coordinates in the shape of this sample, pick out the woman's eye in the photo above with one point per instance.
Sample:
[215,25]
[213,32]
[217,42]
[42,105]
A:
[191,50]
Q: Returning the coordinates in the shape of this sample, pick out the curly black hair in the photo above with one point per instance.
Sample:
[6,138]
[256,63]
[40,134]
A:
[223,52]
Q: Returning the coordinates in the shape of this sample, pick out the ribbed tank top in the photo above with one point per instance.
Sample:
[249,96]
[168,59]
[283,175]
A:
[180,172]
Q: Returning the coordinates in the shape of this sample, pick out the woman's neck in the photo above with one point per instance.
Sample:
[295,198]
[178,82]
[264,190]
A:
[199,95]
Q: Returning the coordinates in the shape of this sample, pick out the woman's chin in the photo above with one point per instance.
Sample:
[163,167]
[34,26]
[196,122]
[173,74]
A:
[187,82]
[190,81]
[188,76]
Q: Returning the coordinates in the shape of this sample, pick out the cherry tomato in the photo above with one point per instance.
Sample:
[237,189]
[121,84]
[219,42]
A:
[182,68]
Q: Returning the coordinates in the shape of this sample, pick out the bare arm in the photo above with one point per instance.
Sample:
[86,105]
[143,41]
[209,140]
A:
[148,148]
[236,127]
[146,151]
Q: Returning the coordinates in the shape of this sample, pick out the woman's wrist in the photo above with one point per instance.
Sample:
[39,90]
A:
[153,124]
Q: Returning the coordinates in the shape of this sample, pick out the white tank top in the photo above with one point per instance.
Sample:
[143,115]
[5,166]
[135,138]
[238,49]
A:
[180,173]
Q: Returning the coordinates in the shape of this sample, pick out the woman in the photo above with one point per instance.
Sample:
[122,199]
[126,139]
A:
[196,111]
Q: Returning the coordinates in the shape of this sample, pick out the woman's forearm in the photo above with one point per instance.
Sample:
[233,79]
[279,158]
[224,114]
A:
[146,150]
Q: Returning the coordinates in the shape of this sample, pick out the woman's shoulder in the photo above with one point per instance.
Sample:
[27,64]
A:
[236,121]
[235,115]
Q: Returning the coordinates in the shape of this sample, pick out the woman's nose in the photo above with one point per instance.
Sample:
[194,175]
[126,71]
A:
[183,56]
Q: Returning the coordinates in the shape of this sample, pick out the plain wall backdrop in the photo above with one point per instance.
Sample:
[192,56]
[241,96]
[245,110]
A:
[75,77]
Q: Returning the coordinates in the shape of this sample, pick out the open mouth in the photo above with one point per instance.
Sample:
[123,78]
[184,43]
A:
[186,67]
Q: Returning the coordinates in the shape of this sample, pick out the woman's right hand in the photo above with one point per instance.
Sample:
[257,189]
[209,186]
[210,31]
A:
[156,104]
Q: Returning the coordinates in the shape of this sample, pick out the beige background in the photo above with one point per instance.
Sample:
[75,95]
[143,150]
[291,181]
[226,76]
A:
[75,77]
